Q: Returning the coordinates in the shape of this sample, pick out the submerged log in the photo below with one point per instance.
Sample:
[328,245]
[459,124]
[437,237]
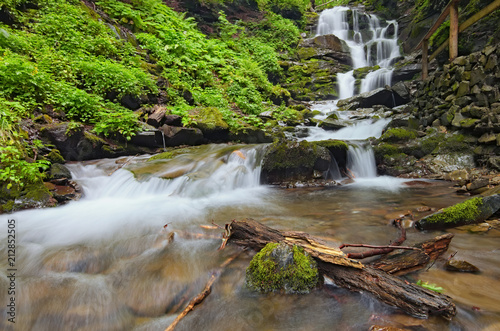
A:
[351,274]
[403,262]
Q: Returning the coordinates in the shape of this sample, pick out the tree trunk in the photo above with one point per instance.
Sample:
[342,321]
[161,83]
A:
[412,299]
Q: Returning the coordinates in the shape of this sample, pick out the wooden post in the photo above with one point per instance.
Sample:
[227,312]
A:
[454,30]
[425,53]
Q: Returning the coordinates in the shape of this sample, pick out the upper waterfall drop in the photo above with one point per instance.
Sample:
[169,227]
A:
[375,45]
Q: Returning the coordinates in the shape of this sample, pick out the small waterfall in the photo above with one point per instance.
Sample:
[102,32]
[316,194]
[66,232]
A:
[361,161]
[380,47]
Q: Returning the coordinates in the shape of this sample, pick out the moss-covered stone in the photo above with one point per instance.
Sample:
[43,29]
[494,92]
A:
[290,161]
[332,144]
[279,267]
[398,134]
[55,156]
[471,211]
[209,118]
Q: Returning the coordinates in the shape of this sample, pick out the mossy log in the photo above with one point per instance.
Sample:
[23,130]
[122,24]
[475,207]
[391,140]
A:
[412,299]
[471,211]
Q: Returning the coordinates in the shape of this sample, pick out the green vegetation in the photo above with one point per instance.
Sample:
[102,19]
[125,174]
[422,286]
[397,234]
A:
[283,155]
[61,60]
[265,274]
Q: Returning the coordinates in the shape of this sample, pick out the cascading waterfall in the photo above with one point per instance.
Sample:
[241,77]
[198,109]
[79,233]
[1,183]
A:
[361,161]
[377,47]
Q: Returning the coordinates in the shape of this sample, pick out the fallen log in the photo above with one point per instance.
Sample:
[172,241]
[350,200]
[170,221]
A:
[400,263]
[412,299]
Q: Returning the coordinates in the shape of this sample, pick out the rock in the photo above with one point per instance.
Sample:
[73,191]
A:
[211,123]
[401,93]
[380,96]
[471,211]
[173,120]
[293,161]
[406,72]
[478,183]
[77,259]
[461,176]
[176,136]
[459,265]
[151,138]
[250,135]
[58,170]
[76,144]
[480,228]
[324,47]
[279,267]
[331,123]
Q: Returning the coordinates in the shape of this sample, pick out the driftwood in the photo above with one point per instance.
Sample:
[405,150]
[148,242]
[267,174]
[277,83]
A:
[203,294]
[412,299]
[400,263]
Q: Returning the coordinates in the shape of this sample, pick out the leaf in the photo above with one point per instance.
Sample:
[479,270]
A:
[432,287]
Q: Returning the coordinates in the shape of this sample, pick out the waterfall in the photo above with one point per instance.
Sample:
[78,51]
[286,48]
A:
[361,161]
[379,46]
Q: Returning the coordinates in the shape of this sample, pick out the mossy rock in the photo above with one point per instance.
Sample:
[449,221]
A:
[209,119]
[291,161]
[471,211]
[398,135]
[279,267]
[55,156]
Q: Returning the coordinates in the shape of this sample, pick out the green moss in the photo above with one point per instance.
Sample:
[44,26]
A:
[283,155]
[384,150]
[305,53]
[465,211]
[55,156]
[398,134]
[332,144]
[265,275]
[208,118]
[162,156]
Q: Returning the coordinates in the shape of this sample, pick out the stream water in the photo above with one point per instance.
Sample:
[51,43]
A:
[140,243]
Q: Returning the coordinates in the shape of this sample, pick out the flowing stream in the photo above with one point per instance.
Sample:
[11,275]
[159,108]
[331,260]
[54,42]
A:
[141,243]
[107,262]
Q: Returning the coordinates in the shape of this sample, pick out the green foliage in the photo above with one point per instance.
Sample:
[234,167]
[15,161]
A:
[432,287]
[15,171]
[266,275]
[290,5]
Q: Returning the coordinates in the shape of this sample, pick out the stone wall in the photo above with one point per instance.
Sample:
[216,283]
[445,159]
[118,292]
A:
[464,96]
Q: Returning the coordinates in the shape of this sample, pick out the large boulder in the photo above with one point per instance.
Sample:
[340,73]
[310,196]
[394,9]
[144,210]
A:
[381,96]
[78,144]
[290,161]
[324,47]
[176,136]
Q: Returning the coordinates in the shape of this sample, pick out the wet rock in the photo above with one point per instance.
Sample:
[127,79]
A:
[380,96]
[176,136]
[461,176]
[401,93]
[250,135]
[152,138]
[480,228]
[478,183]
[58,171]
[289,161]
[173,120]
[77,259]
[460,265]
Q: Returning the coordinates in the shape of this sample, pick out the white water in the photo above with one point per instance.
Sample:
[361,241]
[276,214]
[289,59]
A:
[120,206]
[379,48]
